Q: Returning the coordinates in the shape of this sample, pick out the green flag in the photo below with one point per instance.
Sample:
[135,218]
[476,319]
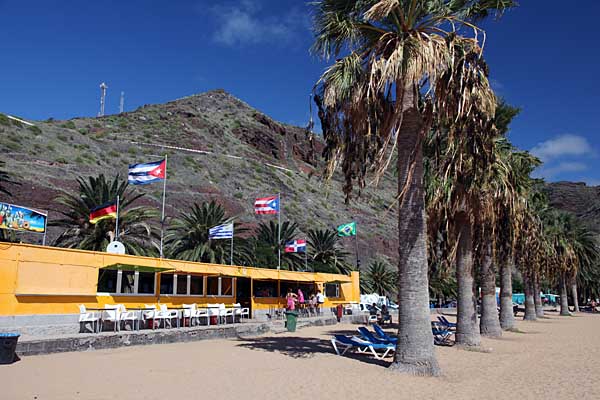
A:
[347,229]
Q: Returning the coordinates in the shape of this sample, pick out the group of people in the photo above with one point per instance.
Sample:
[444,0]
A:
[381,314]
[297,300]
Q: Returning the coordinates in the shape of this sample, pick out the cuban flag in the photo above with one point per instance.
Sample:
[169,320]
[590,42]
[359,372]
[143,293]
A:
[296,246]
[267,205]
[142,174]
[221,232]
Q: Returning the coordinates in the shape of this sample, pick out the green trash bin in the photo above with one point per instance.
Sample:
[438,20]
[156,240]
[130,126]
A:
[290,320]
[8,345]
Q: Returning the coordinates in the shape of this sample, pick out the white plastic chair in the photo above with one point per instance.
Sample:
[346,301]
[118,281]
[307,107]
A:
[87,317]
[167,315]
[125,316]
[213,310]
[240,311]
[189,312]
[225,312]
[202,313]
[111,314]
[149,314]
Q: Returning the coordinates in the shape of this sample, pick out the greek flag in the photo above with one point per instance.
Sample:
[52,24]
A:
[221,232]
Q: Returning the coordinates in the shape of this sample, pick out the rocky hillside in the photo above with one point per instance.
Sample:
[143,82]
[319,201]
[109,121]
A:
[578,198]
[219,148]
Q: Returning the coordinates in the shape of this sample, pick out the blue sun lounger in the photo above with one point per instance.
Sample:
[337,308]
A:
[345,343]
[368,335]
[384,336]
[444,321]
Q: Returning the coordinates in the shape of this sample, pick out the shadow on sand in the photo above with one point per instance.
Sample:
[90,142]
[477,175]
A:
[306,347]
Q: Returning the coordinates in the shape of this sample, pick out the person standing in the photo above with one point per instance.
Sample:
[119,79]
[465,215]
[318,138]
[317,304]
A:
[320,301]
[291,300]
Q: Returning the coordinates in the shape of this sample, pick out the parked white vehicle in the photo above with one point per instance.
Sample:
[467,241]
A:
[367,300]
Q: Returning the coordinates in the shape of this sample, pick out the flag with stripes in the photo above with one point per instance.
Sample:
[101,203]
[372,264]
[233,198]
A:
[267,205]
[296,246]
[221,232]
[106,210]
[144,173]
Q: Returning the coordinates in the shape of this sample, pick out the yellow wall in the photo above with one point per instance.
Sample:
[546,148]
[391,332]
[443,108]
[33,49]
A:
[48,280]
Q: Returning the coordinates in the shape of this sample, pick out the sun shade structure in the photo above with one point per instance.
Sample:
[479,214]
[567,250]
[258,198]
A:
[40,280]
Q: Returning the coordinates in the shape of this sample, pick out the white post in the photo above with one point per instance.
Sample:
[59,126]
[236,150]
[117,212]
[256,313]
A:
[162,218]
[306,258]
[45,229]
[117,221]
[279,231]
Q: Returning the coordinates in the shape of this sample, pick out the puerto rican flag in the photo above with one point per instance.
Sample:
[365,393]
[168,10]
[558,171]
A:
[267,205]
[142,174]
[296,246]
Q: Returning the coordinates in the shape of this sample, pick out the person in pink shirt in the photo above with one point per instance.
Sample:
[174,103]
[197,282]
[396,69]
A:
[291,300]
[300,297]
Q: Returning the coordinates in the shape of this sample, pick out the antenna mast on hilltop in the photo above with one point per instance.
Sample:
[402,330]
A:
[103,88]
[122,103]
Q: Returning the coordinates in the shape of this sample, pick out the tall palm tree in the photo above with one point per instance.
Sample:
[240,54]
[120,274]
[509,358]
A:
[380,278]
[325,252]
[136,230]
[369,105]
[187,238]
[266,244]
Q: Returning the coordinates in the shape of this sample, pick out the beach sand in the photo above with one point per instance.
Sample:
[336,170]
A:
[556,358]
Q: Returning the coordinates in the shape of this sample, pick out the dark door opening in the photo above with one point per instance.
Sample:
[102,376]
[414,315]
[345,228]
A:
[244,293]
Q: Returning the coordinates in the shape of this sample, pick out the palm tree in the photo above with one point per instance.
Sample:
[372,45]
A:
[369,106]
[380,278]
[187,239]
[4,179]
[325,252]
[136,231]
[266,245]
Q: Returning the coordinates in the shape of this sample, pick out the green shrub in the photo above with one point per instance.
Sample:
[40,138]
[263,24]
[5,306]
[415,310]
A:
[69,125]
[62,137]
[4,120]
[132,150]
[83,131]
[13,146]
[16,123]
[61,160]
[50,147]
[79,160]
[113,154]
[35,129]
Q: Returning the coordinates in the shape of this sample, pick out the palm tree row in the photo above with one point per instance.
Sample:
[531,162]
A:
[410,85]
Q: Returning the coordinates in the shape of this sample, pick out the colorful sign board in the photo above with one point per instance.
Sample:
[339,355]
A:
[22,219]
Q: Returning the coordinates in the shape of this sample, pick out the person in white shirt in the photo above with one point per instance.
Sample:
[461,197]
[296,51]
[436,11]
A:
[320,301]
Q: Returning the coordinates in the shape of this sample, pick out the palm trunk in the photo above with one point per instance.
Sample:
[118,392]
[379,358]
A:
[415,353]
[489,324]
[507,318]
[537,297]
[530,314]
[574,294]
[564,297]
[467,331]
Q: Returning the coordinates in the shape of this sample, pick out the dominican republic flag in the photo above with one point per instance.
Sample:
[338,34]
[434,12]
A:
[221,232]
[106,210]
[142,174]
[296,246]
[267,205]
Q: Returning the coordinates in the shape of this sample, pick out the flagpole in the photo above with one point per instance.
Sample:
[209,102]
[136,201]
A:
[117,221]
[279,231]
[231,254]
[162,218]
[306,259]
[356,244]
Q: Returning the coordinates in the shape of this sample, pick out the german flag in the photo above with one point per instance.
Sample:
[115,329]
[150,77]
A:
[106,210]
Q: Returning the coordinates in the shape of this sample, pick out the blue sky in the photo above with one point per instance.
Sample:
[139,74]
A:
[56,53]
